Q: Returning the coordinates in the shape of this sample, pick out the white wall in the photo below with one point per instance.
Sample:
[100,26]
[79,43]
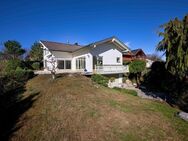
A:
[64,55]
[109,52]
[83,53]
[57,54]
[118,80]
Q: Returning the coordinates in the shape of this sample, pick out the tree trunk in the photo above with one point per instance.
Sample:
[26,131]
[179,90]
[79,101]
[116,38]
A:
[53,76]
[136,77]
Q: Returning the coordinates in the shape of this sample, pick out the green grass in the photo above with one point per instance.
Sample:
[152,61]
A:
[119,106]
[169,113]
[129,137]
[126,91]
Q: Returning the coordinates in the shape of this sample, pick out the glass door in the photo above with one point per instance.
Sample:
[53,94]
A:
[64,64]
[81,63]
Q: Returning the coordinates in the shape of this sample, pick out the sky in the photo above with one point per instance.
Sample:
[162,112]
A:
[134,22]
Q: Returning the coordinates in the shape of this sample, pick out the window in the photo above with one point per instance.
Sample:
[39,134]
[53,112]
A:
[100,61]
[67,64]
[118,60]
[81,63]
[61,64]
[64,64]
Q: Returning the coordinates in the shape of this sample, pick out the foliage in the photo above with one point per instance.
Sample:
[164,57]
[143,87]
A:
[154,57]
[12,50]
[126,91]
[15,79]
[137,67]
[13,74]
[112,79]
[36,53]
[126,62]
[100,79]
[158,78]
[22,75]
[175,46]
[183,98]
[12,64]
[36,65]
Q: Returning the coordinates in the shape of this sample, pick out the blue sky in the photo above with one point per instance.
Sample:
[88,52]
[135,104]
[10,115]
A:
[135,22]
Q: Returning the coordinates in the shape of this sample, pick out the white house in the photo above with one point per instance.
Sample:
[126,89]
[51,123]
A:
[101,57]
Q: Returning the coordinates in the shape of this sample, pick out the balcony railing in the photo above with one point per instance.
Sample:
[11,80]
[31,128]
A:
[111,69]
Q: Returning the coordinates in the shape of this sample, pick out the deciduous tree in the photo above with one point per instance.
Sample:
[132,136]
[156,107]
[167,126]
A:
[137,67]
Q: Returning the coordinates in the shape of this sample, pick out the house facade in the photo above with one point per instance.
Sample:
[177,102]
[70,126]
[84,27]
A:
[101,57]
[137,54]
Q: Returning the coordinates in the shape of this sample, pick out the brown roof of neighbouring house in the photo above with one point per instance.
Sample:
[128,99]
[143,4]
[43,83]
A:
[56,46]
[133,52]
[127,53]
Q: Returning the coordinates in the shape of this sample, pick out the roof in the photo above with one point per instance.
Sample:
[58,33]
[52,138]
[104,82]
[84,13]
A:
[56,46]
[113,39]
[128,53]
[133,52]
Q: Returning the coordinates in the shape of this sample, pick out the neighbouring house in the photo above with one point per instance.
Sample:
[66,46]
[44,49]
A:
[102,57]
[137,54]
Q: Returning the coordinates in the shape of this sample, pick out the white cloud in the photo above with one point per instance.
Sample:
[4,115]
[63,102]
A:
[128,44]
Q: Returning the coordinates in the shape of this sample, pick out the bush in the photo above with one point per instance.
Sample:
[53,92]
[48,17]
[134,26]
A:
[36,65]
[22,75]
[11,65]
[100,79]
[14,79]
[159,79]
[127,91]
[126,62]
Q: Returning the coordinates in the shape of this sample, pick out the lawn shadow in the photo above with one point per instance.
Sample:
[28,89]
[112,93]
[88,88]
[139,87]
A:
[158,95]
[12,107]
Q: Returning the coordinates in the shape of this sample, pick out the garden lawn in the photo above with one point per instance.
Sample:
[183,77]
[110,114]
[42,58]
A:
[73,108]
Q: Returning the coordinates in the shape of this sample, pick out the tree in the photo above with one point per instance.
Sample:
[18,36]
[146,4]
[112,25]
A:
[137,67]
[53,66]
[12,50]
[175,46]
[36,53]
[154,57]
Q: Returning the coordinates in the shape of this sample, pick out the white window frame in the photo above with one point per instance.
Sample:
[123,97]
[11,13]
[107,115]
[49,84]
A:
[81,63]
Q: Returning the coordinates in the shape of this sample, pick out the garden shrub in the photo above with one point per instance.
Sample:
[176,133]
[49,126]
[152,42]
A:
[100,79]
[36,65]
[22,74]
[14,75]
[12,65]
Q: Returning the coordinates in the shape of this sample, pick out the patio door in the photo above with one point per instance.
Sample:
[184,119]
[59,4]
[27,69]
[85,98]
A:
[97,61]
[81,63]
